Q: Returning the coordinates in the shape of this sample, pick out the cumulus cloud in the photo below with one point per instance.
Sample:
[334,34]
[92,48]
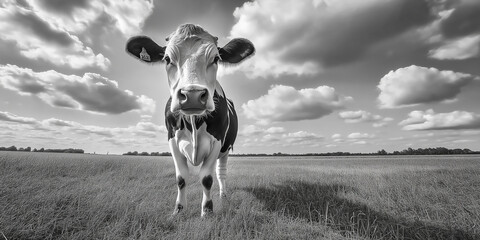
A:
[37,38]
[92,92]
[285,103]
[250,130]
[415,85]
[332,32]
[364,116]
[277,136]
[352,138]
[357,135]
[429,120]
[302,137]
[336,136]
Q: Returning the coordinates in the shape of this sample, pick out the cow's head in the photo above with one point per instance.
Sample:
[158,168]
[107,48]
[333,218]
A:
[191,56]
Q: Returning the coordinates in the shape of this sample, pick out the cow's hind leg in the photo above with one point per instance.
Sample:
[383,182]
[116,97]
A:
[222,175]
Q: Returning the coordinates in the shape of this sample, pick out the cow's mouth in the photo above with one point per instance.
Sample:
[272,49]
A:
[193,111]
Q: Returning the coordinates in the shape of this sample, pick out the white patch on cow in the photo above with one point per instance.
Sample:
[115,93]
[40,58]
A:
[195,145]
[144,55]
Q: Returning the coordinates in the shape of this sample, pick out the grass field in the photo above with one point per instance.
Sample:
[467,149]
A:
[70,196]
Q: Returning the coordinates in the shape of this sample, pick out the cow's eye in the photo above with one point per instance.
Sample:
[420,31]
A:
[167,59]
[216,59]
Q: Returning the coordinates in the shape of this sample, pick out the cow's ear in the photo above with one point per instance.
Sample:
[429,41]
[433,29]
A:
[236,50]
[145,49]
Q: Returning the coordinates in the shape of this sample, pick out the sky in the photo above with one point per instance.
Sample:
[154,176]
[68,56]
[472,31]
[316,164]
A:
[327,75]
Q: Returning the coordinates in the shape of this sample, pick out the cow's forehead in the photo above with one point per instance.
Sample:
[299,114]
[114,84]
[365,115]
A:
[189,31]
[190,40]
[192,46]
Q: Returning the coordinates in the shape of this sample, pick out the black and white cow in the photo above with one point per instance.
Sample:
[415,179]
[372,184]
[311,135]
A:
[201,121]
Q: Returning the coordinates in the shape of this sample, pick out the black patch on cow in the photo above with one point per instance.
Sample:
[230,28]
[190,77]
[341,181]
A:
[217,121]
[232,130]
[208,207]
[180,182]
[207,182]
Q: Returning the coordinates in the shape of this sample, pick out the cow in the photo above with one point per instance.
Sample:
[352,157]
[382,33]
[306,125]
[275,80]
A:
[201,122]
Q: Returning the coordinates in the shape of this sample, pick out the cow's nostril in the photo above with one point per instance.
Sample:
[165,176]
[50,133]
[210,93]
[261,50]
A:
[182,95]
[204,96]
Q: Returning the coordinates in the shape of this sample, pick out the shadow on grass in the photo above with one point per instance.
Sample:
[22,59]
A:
[321,203]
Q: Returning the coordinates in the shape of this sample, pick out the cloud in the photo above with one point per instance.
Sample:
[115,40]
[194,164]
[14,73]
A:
[364,116]
[6,116]
[463,20]
[62,133]
[92,92]
[357,135]
[456,34]
[250,130]
[352,138]
[332,32]
[37,38]
[277,136]
[416,85]
[285,103]
[336,136]
[458,49]
[429,120]
[76,16]
[302,137]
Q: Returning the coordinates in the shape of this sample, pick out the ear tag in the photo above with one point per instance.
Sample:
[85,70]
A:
[144,55]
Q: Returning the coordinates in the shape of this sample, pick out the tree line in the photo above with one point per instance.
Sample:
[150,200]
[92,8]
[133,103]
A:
[408,151]
[135,153]
[429,151]
[29,149]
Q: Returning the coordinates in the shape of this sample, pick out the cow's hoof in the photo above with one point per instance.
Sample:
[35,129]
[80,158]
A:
[207,208]
[223,195]
[178,209]
[207,214]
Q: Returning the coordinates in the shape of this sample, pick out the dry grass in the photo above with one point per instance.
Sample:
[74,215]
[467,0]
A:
[68,196]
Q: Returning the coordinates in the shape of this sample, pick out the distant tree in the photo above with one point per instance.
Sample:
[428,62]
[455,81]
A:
[144,154]
[12,148]
[382,152]
[41,150]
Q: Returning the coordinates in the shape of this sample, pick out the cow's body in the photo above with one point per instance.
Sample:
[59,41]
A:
[201,122]
[219,126]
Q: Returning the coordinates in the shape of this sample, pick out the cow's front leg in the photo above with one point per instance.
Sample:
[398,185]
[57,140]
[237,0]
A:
[182,174]
[206,177]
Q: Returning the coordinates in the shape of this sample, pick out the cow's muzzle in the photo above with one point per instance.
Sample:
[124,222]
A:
[193,101]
